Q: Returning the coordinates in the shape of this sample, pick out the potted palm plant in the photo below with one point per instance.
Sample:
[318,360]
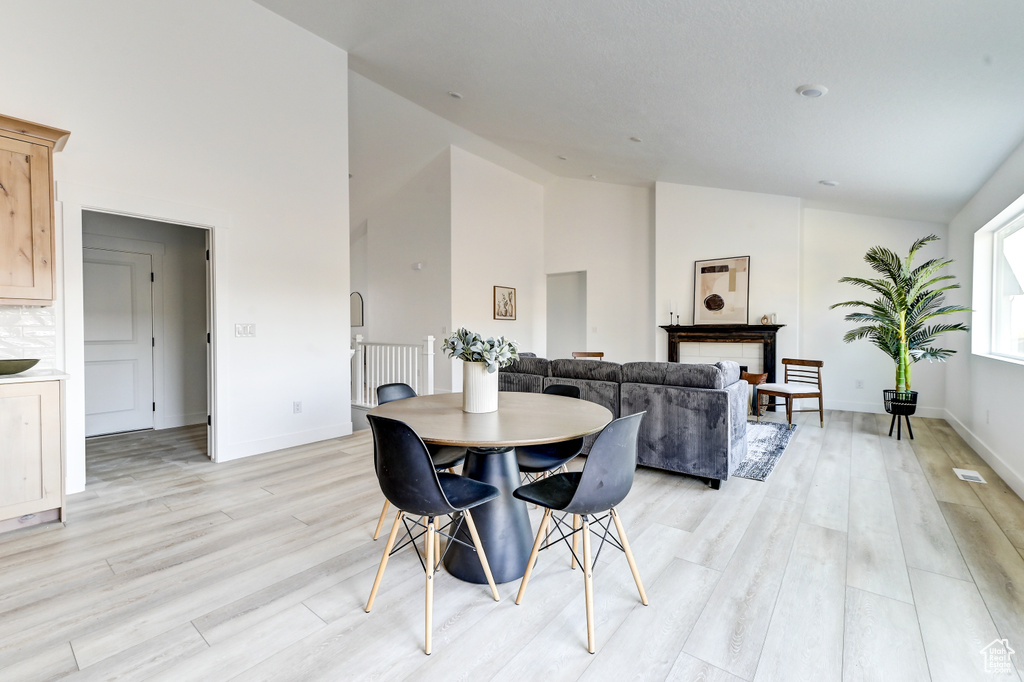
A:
[901,320]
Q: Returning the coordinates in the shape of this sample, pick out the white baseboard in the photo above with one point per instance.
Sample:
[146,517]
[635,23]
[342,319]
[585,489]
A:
[876,407]
[1013,478]
[227,453]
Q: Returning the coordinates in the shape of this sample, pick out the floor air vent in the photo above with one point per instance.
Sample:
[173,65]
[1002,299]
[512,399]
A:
[968,475]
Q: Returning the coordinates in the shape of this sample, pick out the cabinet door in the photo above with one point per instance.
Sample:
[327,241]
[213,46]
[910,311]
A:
[30,459]
[26,225]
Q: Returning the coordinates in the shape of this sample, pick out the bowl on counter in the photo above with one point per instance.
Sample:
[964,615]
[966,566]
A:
[17,366]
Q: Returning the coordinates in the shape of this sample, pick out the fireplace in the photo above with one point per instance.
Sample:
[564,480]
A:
[727,333]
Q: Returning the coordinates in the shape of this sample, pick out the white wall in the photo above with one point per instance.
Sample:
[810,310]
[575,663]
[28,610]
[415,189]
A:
[198,104]
[497,238]
[180,389]
[983,395]
[699,223]
[833,246]
[608,231]
[402,304]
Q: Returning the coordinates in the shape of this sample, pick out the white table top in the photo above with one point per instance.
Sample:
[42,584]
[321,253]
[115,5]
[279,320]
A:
[521,419]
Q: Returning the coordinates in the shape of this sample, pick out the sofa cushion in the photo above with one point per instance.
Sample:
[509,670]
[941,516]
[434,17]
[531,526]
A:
[529,365]
[588,370]
[677,374]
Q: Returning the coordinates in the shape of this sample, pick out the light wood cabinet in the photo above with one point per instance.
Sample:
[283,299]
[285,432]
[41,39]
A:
[26,211]
[32,453]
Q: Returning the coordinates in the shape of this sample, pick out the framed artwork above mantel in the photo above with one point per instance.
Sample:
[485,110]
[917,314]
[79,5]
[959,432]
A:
[721,290]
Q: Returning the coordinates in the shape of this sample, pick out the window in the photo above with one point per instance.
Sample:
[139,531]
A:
[997,329]
[1007,290]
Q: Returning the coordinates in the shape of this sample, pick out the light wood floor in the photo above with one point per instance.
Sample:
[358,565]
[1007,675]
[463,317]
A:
[859,559]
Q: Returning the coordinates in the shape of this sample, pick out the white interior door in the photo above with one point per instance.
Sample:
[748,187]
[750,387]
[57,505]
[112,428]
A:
[118,341]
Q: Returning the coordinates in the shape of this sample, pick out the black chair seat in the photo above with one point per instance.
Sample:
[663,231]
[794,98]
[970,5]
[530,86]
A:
[536,458]
[465,493]
[446,456]
[554,492]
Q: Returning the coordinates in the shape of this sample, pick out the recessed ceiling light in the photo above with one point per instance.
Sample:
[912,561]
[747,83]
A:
[812,90]
[563,158]
[593,177]
[636,139]
[829,183]
[454,95]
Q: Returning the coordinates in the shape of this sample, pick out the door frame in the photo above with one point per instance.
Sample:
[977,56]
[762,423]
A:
[72,200]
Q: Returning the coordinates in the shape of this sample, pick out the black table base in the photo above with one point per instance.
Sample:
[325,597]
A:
[503,523]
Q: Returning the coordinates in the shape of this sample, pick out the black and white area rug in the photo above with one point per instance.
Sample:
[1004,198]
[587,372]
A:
[766,441]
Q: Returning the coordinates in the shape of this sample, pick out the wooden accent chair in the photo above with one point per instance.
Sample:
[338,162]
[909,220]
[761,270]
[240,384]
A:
[802,380]
[590,497]
[595,354]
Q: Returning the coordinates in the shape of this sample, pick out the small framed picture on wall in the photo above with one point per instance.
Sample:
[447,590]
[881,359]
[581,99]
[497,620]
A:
[504,303]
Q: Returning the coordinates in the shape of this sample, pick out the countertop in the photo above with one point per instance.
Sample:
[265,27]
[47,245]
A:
[33,375]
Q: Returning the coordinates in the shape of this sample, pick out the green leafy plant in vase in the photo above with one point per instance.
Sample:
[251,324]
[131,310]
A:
[901,321]
[481,360]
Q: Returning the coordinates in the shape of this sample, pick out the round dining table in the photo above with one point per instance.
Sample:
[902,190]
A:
[491,439]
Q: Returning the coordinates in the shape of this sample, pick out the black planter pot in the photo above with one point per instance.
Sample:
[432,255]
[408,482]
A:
[900,404]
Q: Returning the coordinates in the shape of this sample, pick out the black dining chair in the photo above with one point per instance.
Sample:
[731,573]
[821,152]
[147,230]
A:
[445,457]
[590,496]
[537,460]
[422,495]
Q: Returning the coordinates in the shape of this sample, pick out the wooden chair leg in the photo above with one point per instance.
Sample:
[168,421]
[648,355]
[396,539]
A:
[533,555]
[789,411]
[437,536]
[575,539]
[429,611]
[588,585]
[629,555]
[384,559]
[480,553]
[821,411]
[380,521]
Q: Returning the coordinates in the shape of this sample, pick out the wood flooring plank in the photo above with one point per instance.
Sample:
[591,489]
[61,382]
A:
[148,658]
[883,640]
[955,626]
[809,610]
[867,460]
[715,539]
[655,634]
[875,561]
[938,469]
[732,628]
[996,567]
[927,541]
[51,663]
[828,500]
[690,669]
[227,658]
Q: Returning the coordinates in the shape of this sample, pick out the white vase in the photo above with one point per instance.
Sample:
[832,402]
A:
[479,388]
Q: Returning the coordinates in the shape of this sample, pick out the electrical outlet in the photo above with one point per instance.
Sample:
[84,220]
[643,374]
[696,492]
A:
[860,383]
[297,407]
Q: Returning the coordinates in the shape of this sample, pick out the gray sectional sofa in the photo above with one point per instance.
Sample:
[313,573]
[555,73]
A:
[696,419]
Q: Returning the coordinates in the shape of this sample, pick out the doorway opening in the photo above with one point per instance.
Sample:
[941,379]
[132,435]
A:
[567,313]
[147,302]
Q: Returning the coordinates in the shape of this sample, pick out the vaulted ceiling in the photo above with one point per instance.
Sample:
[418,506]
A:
[925,98]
